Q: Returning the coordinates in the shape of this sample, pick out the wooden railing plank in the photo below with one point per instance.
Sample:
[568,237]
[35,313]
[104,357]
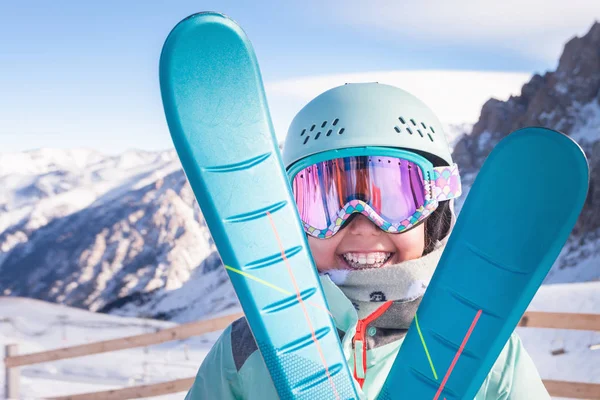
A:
[179,332]
[575,321]
[575,390]
[134,392]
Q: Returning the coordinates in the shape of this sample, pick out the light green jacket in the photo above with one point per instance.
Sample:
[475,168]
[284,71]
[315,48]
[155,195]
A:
[234,368]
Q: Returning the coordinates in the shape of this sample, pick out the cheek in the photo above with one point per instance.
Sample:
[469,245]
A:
[323,252]
[410,245]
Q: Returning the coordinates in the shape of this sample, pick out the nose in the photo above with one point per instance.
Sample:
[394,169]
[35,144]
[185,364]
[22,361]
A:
[361,225]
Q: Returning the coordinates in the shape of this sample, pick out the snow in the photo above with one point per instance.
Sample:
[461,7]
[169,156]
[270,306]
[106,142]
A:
[579,261]
[484,140]
[203,293]
[561,88]
[547,116]
[587,127]
[50,183]
[46,160]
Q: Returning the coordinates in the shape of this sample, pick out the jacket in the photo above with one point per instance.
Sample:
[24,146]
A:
[234,368]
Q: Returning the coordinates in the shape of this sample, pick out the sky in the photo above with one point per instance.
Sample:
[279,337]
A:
[84,74]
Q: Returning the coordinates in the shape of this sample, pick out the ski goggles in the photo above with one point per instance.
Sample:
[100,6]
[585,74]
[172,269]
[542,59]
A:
[394,192]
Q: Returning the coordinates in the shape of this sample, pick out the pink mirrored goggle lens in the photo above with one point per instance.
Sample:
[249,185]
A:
[392,187]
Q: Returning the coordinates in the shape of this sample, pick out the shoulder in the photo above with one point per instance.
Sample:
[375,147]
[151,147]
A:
[217,377]
[242,342]
[235,345]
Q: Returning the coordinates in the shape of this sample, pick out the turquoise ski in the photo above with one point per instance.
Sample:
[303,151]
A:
[217,113]
[512,227]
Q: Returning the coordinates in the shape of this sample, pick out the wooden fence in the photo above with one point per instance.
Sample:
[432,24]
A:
[12,362]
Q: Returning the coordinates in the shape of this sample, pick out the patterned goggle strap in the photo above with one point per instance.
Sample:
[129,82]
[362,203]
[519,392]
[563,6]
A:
[446,183]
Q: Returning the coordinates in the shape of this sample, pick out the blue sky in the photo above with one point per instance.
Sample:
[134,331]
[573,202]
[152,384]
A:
[85,74]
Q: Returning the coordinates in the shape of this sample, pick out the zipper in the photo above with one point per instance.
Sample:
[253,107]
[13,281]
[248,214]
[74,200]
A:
[359,343]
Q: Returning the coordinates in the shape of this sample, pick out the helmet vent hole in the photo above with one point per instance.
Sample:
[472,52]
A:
[413,122]
[397,129]
[306,139]
[329,132]
[323,124]
[341,131]
[335,121]
[303,132]
[430,137]
[402,120]
[432,130]
[423,125]
[409,130]
[318,134]
[420,133]
[312,128]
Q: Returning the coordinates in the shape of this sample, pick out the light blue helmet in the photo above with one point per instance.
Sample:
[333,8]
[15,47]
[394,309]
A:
[366,114]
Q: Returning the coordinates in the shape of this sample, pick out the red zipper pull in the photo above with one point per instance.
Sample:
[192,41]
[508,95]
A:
[360,331]
[360,337]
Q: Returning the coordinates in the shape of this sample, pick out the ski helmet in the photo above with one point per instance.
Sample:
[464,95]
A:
[366,114]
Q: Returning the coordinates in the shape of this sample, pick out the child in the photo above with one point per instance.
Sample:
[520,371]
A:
[355,155]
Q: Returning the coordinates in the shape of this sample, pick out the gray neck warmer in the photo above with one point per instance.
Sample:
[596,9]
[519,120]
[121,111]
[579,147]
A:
[403,283]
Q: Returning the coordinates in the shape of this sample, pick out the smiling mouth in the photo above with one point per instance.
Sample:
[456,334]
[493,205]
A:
[368,260]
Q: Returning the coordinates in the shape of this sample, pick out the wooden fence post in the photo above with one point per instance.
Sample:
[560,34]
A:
[11,383]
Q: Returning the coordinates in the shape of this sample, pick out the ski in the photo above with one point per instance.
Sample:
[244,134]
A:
[517,217]
[217,114]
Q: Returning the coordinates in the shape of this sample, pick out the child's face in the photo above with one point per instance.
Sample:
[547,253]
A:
[362,236]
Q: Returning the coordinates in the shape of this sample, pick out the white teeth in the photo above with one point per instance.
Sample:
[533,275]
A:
[361,260]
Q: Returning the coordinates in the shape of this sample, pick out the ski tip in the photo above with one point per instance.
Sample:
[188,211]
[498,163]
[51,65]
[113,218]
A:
[545,144]
[537,130]
[568,144]
[205,17]
[198,26]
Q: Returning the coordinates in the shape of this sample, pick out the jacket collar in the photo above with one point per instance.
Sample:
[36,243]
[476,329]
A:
[340,306]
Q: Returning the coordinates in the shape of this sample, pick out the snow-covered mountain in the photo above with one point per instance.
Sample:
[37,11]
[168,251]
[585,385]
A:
[106,233]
